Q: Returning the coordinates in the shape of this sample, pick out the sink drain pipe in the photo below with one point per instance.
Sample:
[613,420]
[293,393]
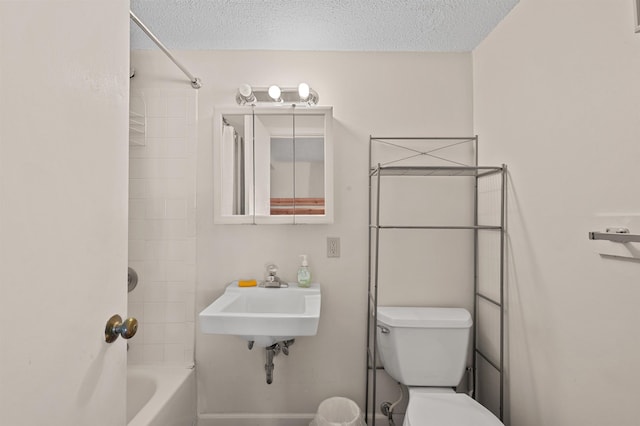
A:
[271,352]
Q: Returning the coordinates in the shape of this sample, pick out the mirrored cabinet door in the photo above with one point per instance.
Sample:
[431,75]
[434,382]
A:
[273,165]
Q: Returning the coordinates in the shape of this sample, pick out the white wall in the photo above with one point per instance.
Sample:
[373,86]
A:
[162,226]
[372,93]
[556,93]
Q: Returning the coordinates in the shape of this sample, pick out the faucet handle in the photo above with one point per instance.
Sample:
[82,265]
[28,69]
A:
[272,269]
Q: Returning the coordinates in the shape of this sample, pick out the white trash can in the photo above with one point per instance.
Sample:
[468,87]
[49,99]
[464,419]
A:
[338,411]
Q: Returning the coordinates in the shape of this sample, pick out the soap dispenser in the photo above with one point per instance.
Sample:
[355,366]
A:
[304,275]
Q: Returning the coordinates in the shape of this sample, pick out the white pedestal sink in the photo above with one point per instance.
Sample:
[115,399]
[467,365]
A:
[264,315]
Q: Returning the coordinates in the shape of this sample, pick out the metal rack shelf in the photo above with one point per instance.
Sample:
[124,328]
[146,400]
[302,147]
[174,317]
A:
[452,227]
[404,165]
[434,171]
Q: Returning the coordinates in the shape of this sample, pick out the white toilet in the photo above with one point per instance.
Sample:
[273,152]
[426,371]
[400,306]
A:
[426,350]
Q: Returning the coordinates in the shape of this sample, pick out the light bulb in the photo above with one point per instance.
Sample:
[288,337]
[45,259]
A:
[303,91]
[245,90]
[274,92]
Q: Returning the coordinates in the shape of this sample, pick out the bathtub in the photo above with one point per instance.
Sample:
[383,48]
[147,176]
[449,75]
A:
[161,396]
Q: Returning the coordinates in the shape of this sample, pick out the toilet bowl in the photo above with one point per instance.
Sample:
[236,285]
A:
[426,350]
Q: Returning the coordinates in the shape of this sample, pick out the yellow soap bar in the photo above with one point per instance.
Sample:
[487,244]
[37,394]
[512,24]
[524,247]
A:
[247,283]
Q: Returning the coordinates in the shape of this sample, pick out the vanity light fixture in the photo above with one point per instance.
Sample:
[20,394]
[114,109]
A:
[303,95]
[245,95]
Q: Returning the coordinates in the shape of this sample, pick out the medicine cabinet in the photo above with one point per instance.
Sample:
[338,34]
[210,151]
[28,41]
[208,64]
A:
[273,165]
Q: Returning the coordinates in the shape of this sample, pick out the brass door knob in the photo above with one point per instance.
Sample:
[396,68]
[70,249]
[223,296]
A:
[116,327]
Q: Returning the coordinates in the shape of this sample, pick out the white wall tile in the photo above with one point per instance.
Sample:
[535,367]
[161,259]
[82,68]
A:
[177,290]
[189,306]
[177,187]
[153,354]
[175,312]
[175,148]
[156,106]
[166,188]
[137,167]
[136,251]
[137,188]
[155,292]
[174,353]
[154,333]
[162,228]
[155,312]
[176,208]
[174,168]
[177,250]
[165,229]
[136,229]
[175,128]
[154,250]
[156,127]
[155,208]
[137,209]
[176,332]
[180,271]
[189,356]
[190,333]
[191,248]
[152,148]
[190,225]
[177,107]
[154,270]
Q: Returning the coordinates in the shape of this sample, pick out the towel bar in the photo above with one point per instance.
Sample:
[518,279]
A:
[619,235]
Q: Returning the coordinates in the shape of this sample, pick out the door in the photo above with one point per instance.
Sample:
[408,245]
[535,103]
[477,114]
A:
[63,210]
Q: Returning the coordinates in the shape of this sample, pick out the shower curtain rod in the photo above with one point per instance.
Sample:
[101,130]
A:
[195,81]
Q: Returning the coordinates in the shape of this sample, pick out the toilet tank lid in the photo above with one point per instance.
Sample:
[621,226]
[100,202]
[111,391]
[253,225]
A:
[403,316]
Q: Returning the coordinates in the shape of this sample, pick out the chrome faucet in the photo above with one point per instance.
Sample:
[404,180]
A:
[272,280]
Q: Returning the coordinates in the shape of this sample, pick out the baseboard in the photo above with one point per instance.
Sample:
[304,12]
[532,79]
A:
[265,419]
[259,419]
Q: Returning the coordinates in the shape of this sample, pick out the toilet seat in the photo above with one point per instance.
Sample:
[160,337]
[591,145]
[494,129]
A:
[443,407]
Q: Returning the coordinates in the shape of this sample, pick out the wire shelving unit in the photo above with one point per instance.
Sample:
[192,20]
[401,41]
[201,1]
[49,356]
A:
[449,158]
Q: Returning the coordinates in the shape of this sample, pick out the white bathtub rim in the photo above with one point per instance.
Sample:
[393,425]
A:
[177,375]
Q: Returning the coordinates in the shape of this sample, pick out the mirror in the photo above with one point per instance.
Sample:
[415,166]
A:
[274,165]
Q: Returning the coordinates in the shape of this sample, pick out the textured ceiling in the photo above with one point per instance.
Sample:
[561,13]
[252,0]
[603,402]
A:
[343,25]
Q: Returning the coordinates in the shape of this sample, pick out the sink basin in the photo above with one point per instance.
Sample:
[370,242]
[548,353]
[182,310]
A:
[264,315]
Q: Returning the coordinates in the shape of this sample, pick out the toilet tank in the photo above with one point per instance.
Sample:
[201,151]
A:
[421,346]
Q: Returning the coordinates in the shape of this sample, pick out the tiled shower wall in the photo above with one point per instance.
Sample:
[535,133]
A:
[162,230]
